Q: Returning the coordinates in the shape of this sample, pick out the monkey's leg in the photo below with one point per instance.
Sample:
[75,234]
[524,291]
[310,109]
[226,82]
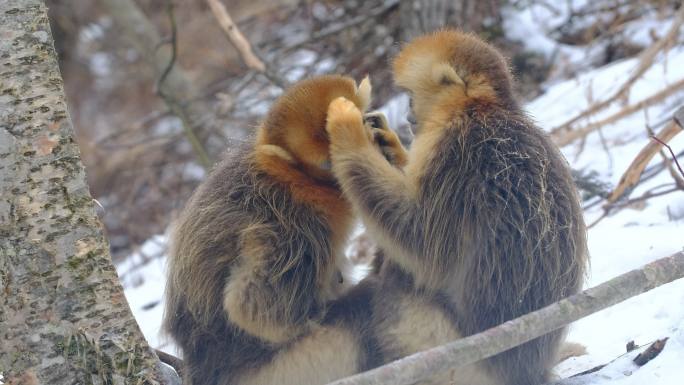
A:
[408,323]
[326,354]
[338,348]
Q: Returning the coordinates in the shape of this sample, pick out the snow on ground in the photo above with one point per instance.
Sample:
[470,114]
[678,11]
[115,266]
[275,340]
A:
[143,276]
[618,243]
[631,237]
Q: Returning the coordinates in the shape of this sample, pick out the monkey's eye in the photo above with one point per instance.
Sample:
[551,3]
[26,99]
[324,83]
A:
[340,278]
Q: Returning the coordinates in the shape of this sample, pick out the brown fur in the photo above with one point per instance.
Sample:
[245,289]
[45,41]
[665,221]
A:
[483,225]
[255,258]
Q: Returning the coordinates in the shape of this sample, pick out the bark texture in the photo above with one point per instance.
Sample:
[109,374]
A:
[63,315]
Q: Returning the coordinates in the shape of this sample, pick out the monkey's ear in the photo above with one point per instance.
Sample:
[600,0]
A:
[273,150]
[444,74]
[364,93]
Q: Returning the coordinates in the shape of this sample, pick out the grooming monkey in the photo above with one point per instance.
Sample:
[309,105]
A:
[482,225]
[256,258]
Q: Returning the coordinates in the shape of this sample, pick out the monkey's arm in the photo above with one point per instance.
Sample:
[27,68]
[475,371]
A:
[275,306]
[382,193]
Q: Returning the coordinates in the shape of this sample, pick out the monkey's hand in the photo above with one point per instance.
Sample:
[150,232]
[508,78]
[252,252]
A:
[345,127]
[387,140]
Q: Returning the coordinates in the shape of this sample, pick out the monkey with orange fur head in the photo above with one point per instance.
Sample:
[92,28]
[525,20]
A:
[256,259]
[482,225]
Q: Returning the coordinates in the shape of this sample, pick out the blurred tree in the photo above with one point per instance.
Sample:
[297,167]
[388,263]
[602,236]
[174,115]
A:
[420,16]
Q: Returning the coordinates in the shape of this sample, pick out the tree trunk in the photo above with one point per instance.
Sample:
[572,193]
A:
[63,315]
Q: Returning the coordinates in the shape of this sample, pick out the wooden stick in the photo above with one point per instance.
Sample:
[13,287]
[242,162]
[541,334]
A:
[633,173]
[423,365]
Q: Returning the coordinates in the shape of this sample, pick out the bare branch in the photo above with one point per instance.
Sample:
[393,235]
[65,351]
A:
[241,44]
[567,137]
[674,158]
[646,60]
[173,103]
[477,347]
[173,84]
[633,173]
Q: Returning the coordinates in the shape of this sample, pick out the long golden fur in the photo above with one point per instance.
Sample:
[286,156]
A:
[256,256]
[482,225]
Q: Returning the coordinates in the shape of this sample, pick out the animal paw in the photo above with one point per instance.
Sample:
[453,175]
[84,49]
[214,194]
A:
[345,125]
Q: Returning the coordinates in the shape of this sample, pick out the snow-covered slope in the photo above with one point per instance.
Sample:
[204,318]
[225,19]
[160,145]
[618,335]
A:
[633,236]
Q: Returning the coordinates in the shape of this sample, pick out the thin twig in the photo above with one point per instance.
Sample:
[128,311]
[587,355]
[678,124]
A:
[674,158]
[610,208]
[646,196]
[632,176]
[174,50]
[468,350]
[679,181]
[172,103]
[599,219]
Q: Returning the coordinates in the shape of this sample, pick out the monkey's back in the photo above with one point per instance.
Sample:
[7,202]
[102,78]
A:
[512,225]
[205,246]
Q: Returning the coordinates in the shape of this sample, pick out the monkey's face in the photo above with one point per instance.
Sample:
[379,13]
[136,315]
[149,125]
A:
[444,70]
[297,121]
[413,71]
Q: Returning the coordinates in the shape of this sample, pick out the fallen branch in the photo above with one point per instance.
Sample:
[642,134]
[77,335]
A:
[423,365]
[652,352]
[645,62]
[633,173]
[241,44]
[566,137]
[631,346]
